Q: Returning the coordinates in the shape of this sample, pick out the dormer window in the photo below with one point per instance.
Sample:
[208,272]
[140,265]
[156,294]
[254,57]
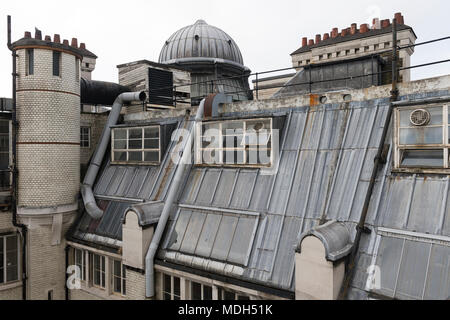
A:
[422,138]
[136,145]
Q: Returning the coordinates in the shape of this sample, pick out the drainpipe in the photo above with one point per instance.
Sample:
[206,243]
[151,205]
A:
[14,167]
[150,256]
[379,160]
[86,188]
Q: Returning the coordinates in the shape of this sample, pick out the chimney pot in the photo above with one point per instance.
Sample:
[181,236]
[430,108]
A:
[304,41]
[56,38]
[310,42]
[353,28]
[48,39]
[38,34]
[82,45]
[326,36]
[65,42]
[364,28]
[376,24]
[385,23]
[318,38]
[27,34]
[74,43]
[334,33]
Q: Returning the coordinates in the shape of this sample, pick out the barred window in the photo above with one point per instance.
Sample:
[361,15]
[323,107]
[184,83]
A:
[85,137]
[9,258]
[136,145]
[118,277]
[235,142]
[422,137]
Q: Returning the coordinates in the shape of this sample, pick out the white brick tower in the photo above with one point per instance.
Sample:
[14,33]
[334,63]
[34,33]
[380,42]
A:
[48,155]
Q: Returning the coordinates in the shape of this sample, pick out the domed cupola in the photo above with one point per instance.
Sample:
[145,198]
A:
[212,57]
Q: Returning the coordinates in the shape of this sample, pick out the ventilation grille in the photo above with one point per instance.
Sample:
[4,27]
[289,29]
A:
[420,117]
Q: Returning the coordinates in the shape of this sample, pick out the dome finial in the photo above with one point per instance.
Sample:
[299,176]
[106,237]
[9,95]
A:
[200,21]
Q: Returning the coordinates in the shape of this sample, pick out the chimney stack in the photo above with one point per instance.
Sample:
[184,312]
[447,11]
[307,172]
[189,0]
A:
[48,39]
[399,18]
[344,32]
[318,38]
[304,41]
[83,46]
[74,43]
[364,28]
[65,42]
[353,29]
[310,42]
[56,38]
[27,34]
[326,36]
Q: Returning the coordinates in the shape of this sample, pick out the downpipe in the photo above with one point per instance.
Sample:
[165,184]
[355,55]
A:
[150,256]
[86,187]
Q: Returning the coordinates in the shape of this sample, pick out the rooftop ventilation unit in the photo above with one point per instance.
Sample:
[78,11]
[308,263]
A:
[420,117]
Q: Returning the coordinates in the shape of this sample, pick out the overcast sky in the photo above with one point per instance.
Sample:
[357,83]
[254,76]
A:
[266,31]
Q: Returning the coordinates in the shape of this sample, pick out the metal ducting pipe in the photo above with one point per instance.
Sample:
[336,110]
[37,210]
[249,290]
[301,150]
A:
[173,191]
[86,188]
[100,92]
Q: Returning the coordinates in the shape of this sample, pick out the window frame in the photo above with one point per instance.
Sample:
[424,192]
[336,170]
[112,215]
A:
[56,58]
[102,271]
[198,161]
[84,265]
[171,292]
[444,146]
[122,276]
[202,290]
[3,263]
[127,150]
[83,135]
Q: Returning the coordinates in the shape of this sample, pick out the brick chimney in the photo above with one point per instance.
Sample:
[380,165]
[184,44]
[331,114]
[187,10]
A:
[385,23]
[326,36]
[310,42]
[56,38]
[27,34]
[399,18]
[334,32]
[318,38]
[74,43]
[304,41]
[376,24]
[364,28]
[353,28]
[83,46]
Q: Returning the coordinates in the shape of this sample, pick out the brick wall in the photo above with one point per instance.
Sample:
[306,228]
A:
[135,285]
[95,121]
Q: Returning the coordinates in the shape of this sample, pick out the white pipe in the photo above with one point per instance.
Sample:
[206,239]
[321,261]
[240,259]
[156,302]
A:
[173,191]
[86,188]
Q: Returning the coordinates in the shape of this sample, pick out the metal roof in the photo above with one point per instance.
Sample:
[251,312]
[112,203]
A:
[200,40]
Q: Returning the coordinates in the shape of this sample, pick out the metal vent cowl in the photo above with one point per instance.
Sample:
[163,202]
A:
[420,117]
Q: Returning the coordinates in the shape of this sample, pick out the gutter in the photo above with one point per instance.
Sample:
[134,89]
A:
[173,191]
[86,187]
[14,167]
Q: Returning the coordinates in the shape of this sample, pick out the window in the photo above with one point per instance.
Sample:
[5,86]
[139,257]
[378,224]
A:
[85,137]
[29,65]
[77,69]
[357,50]
[422,137]
[160,83]
[80,261]
[230,295]
[9,258]
[200,291]
[98,270]
[138,145]
[235,142]
[171,287]
[5,154]
[118,277]
[57,63]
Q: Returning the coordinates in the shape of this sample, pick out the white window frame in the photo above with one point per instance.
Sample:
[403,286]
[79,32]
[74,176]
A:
[102,270]
[170,291]
[83,266]
[221,294]
[122,276]
[3,263]
[142,150]
[83,135]
[445,145]
[199,150]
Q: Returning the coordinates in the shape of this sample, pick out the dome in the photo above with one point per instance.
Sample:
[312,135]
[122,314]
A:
[201,41]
